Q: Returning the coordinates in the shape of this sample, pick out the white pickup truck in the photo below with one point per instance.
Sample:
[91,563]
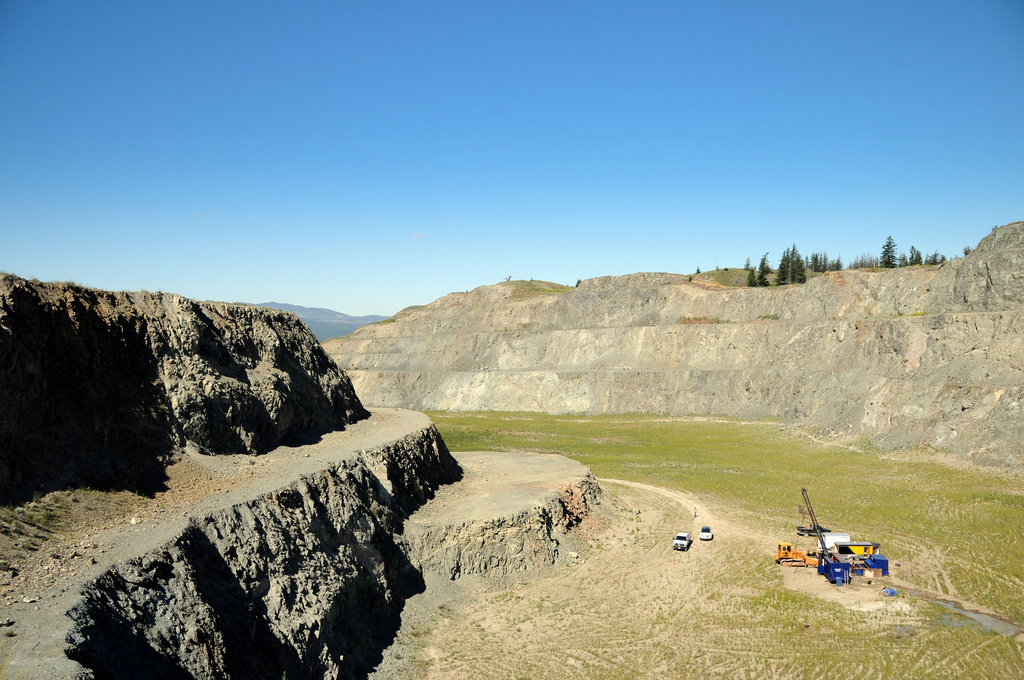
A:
[682,542]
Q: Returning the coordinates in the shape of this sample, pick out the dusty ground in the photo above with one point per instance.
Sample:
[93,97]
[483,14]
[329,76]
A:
[629,606]
[494,485]
[617,603]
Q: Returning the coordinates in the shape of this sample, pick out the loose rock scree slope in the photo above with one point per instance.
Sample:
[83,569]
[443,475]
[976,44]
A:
[911,356]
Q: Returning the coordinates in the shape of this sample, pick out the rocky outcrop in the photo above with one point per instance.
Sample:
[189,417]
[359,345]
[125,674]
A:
[104,388]
[918,355]
[304,582]
[309,580]
[462,533]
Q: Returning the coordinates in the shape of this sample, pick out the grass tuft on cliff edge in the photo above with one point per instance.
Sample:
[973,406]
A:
[528,289]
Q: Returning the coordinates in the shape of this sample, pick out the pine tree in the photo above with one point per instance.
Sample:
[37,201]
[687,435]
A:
[782,275]
[751,277]
[747,266]
[888,259]
[915,256]
[763,270]
[797,270]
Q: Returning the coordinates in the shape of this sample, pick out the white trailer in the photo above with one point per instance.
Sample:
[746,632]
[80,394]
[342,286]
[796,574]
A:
[831,538]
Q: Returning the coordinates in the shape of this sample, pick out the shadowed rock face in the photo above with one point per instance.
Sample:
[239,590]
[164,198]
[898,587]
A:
[918,355]
[308,581]
[104,388]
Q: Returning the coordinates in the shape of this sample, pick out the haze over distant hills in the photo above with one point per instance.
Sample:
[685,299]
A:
[325,323]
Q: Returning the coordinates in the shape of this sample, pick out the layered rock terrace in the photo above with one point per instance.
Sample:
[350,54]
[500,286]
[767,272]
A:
[294,554]
[913,356]
[303,566]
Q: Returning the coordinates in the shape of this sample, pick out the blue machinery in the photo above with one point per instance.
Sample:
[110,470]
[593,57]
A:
[836,570]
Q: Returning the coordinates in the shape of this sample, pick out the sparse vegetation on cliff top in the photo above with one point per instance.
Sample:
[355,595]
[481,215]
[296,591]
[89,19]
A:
[527,289]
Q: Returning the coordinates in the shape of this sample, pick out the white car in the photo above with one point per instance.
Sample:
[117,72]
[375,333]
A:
[682,542]
[706,534]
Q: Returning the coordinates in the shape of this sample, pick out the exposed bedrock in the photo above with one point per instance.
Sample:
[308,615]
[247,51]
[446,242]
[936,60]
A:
[104,388]
[916,355]
[502,523]
[310,580]
[306,581]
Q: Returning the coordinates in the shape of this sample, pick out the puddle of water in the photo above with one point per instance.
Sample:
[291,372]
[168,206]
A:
[951,621]
[981,620]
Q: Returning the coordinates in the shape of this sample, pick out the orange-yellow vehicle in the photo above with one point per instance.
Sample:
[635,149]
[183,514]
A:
[793,558]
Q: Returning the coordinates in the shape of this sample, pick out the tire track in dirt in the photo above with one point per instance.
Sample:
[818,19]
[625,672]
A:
[705,516]
[938,576]
[631,607]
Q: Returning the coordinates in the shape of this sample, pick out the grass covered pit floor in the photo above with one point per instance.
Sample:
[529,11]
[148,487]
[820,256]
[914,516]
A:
[954,530]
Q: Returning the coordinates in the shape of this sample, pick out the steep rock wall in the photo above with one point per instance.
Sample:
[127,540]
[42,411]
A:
[919,355]
[104,388]
[505,544]
[309,580]
[306,581]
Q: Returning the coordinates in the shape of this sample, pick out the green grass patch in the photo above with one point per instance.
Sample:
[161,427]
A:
[970,520]
[730,278]
[527,289]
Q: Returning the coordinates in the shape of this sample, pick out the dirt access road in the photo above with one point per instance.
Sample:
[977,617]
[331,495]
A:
[632,607]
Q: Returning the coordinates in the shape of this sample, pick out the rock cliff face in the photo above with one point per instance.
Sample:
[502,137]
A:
[309,580]
[919,355]
[306,581]
[501,544]
[300,566]
[104,388]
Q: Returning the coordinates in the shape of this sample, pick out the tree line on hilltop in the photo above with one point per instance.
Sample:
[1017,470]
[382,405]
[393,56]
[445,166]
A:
[793,267]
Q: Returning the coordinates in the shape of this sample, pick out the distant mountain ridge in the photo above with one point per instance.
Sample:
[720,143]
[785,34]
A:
[325,323]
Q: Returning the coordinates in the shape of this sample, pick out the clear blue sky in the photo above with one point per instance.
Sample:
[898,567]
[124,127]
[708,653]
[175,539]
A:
[369,156]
